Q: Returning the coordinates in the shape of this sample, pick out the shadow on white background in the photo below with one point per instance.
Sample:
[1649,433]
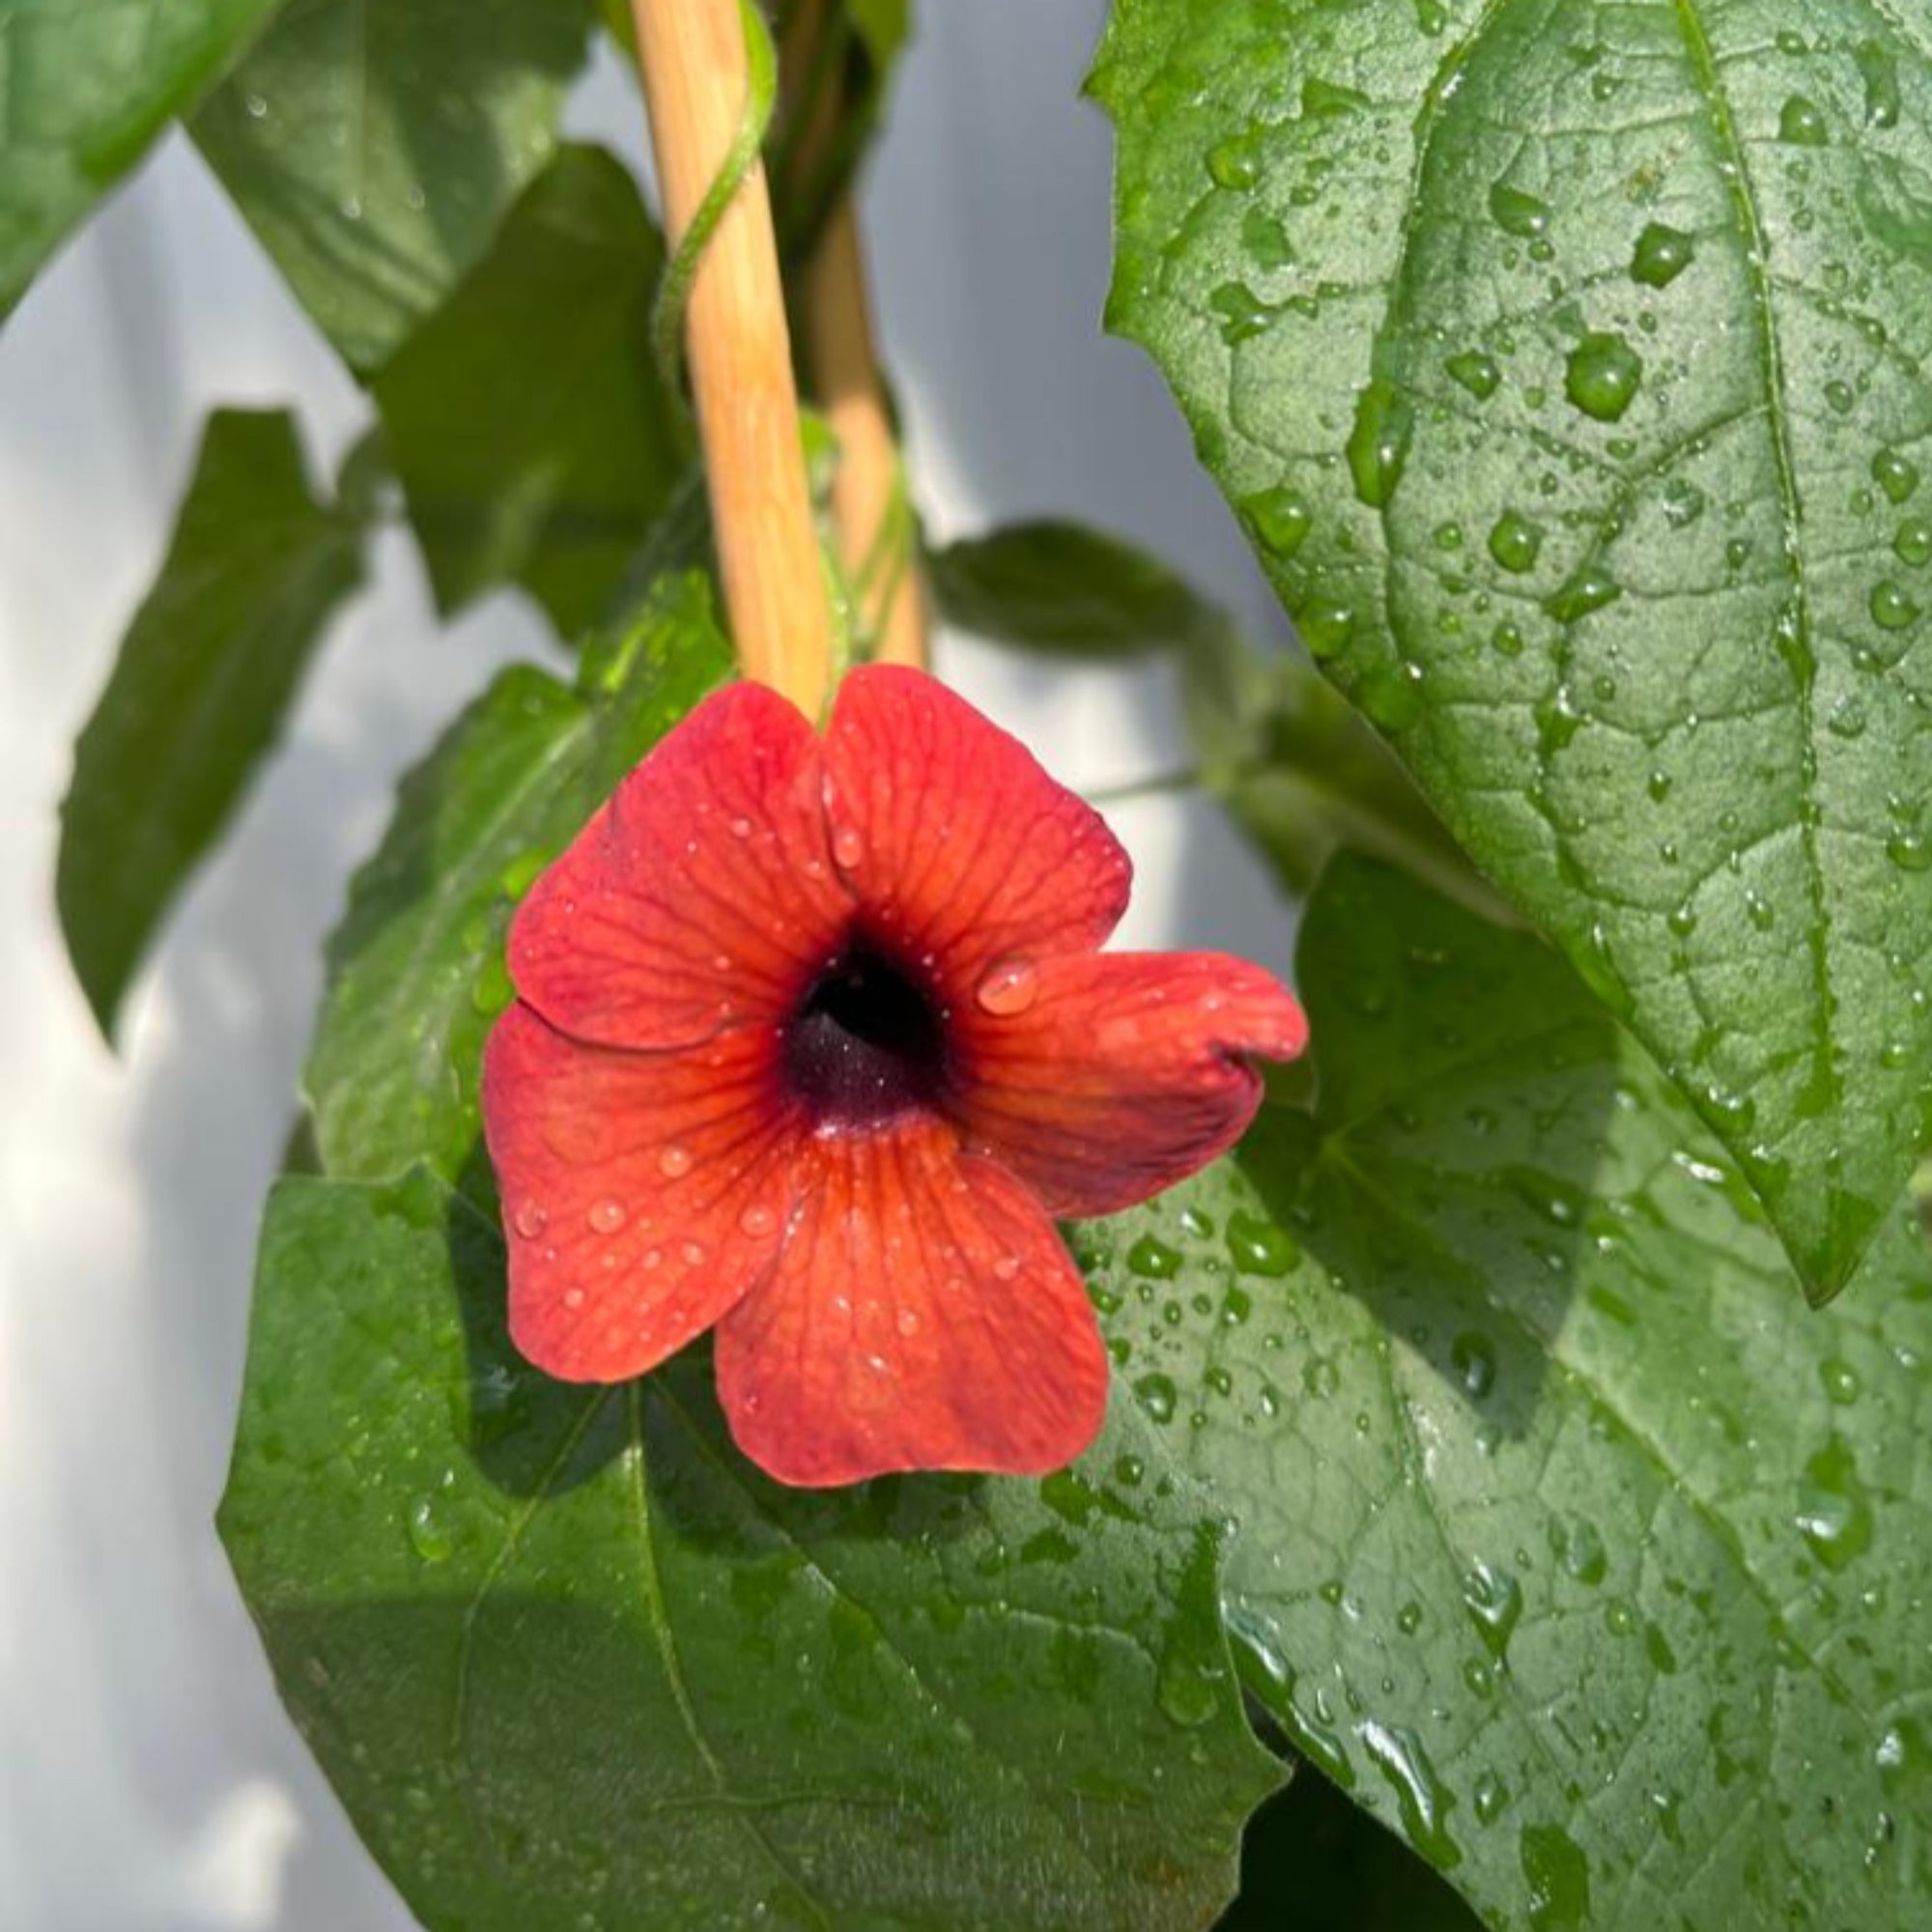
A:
[148,1781]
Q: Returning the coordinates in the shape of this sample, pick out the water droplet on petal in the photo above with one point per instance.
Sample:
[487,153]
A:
[1007,1267]
[741,827]
[758,1220]
[908,1322]
[848,847]
[1011,986]
[606,1216]
[693,1253]
[674,1162]
[531,1220]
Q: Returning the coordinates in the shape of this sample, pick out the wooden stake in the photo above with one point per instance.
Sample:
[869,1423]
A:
[692,54]
[866,489]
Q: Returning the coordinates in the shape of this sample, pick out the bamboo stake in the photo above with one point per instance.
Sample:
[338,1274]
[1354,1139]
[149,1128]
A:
[691,55]
[866,488]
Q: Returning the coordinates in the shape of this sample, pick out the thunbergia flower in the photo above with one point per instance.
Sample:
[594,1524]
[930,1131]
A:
[812,1041]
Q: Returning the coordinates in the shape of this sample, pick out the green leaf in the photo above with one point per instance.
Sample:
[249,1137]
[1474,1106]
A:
[524,418]
[1567,1538]
[621,23]
[416,970]
[1062,587]
[1298,770]
[569,1660]
[206,676]
[883,26]
[1565,366]
[374,149]
[1311,1858]
[88,87]
[1304,777]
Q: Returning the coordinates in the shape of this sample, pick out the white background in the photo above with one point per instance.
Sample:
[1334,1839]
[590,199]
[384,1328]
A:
[147,1779]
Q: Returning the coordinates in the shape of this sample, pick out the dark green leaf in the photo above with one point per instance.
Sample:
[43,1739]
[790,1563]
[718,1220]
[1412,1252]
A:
[374,148]
[88,87]
[1566,365]
[570,1660]
[1060,587]
[203,681]
[1298,770]
[415,971]
[621,23]
[524,418]
[1568,1539]
[839,60]
[1304,777]
[1311,1861]
[883,26]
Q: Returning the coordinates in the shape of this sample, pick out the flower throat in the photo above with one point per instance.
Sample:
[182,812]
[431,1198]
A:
[867,1045]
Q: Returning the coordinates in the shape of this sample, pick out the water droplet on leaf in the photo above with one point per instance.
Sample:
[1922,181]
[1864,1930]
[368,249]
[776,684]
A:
[1662,254]
[1603,376]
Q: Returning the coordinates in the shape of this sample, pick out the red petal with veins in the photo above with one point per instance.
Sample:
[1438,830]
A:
[923,1316]
[956,840]
[644,1193]
[1118,1075]
[698,895]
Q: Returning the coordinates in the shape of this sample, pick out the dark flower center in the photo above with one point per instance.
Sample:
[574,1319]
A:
[867,1045]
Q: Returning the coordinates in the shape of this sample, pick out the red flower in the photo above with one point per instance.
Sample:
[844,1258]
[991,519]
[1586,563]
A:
[813,1040]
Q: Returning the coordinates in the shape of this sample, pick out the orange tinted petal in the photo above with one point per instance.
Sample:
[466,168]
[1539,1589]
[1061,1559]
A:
[644,1193]
[701,893]
[1121,1074]
[923,1316]
[954,840]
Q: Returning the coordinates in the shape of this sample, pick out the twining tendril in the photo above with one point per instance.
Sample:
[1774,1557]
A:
[674,297]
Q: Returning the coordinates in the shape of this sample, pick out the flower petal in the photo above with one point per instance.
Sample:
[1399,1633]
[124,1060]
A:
[955,841]
[923,1316]
[644,1193]
[1123,1074]
[700,893]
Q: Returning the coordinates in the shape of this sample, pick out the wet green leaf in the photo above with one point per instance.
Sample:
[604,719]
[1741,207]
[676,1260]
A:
[524,418]
[374,149]
[88,87]
[1568,1540]
[416,970]
[204,678]
[1565,366]
[569,1660]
